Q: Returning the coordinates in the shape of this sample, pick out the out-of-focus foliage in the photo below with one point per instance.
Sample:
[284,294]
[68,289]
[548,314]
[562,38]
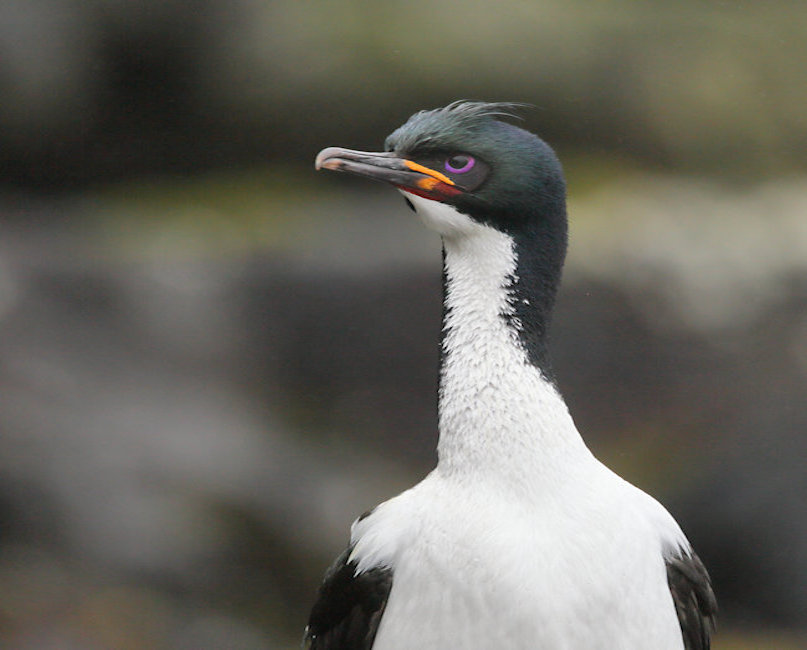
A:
[107,89]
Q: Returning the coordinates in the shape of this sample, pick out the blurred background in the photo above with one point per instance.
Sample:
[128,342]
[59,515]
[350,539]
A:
[213,359]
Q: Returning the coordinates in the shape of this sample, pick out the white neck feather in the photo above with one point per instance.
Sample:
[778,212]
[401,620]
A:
[499,418]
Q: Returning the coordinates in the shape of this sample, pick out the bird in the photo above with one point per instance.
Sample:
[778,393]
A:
[519,538]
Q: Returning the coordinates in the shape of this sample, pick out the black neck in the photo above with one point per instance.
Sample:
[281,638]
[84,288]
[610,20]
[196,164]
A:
[540,255]
[531,289]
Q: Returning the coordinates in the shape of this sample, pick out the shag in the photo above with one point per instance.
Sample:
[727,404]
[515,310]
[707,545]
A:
[519,538]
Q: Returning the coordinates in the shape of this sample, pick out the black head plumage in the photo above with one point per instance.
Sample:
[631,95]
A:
[439,127]
[523,177]
[523,194]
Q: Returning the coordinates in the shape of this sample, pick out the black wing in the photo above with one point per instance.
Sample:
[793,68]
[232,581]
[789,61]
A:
[348,608]
[694,599]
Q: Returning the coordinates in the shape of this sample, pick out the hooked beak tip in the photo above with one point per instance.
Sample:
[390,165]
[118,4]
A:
[327,158]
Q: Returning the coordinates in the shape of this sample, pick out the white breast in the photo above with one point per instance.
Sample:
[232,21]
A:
[475,570]
[520,538]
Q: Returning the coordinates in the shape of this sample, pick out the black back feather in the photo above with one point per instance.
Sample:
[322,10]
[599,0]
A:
[349,607]
[695,602]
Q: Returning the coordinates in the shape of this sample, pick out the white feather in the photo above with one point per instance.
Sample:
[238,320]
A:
[519,538]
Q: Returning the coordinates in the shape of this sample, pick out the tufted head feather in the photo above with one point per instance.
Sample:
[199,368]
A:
[433,128]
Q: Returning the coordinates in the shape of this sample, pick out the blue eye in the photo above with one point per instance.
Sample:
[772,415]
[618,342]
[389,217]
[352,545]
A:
[460,163]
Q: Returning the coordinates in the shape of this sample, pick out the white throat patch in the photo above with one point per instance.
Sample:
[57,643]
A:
[519,539]
[441,217]
[498,415]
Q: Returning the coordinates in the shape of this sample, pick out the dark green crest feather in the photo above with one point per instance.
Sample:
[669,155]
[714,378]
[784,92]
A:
[453,123]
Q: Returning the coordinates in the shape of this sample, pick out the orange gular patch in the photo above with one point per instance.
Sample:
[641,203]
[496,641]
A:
[415,167]
[433,185]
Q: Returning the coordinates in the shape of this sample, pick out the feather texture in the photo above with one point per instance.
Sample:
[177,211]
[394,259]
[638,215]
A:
[348,607]
[695,602]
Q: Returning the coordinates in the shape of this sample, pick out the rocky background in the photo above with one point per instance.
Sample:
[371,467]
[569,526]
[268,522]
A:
[212,359]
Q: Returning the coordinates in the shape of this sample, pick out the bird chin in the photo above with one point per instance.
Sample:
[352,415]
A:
[439,216]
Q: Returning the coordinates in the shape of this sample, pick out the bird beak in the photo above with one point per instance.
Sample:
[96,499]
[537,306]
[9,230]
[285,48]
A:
[391,168]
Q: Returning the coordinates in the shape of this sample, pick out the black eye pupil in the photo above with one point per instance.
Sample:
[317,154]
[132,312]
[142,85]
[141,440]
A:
[459,163]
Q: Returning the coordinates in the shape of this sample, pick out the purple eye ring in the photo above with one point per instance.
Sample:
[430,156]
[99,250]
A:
[460,163]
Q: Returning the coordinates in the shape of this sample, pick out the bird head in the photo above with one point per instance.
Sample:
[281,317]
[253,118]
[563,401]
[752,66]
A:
[461,166]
